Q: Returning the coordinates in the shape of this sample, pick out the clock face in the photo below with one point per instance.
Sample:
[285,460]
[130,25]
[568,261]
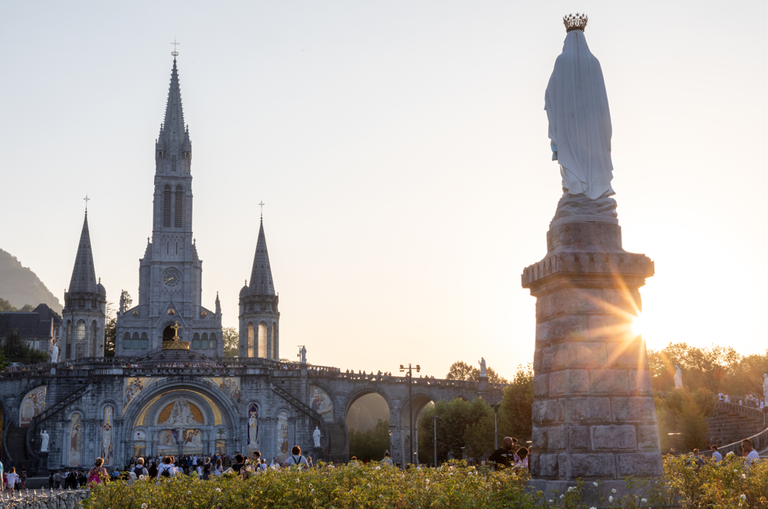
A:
[171,277]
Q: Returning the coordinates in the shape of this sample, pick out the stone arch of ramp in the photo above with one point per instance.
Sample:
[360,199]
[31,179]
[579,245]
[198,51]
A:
[347,400]
[162,390]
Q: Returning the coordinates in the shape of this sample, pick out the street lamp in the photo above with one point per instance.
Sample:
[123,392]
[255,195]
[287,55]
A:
[409,375]
[495,427]
[434,441]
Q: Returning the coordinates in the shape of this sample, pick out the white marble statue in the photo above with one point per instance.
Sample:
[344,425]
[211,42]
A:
[303,353]
[482,367]
[54,351]
[678,378]
[181,414]
[765,388]
[45,438]
[579,120]
[316,436]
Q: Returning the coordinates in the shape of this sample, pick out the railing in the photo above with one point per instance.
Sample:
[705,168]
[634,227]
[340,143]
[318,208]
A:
[759,443]
[45,499]
[308,411]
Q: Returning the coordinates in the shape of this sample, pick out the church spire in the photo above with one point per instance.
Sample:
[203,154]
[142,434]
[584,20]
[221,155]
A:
[261,274]
[84,274]
[174,147]
[173,129]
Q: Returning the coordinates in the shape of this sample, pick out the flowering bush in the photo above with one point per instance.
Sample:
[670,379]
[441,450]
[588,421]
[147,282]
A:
[456,486]
[731,484]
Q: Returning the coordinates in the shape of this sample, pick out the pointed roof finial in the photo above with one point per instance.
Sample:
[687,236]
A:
[174,52]
[86,199]
[261,205]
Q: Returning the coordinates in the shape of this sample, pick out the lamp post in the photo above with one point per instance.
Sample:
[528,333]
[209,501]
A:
[495,426]
[409,375]
[434,440]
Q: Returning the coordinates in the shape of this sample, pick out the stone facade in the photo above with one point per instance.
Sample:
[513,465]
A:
[171,272]
[150,401]
[593,412]
[140,392]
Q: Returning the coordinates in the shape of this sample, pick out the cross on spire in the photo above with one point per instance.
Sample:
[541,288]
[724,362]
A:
[174,52]
[86,200]
[261,205]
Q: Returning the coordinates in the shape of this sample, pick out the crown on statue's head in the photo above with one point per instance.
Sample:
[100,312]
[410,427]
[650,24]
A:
[575,21]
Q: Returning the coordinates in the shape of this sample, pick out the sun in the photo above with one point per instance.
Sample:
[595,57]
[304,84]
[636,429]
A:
[637,325]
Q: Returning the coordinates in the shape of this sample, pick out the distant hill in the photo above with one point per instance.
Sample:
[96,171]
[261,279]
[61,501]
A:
[19,285]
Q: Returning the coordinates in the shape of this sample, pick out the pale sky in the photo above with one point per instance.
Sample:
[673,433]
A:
[401,148]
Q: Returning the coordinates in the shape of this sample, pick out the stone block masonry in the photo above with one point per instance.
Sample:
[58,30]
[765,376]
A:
[593,411]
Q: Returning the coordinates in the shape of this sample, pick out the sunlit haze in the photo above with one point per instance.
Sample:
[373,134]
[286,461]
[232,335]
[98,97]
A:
[401,150]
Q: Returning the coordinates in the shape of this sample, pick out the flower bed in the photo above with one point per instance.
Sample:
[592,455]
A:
[732,484]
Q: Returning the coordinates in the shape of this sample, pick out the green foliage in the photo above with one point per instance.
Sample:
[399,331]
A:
[717,368]
[7,306]
[370,445]
[460,370]
[460,424]
[231,341]
[16,349]
[684,414]
[110,331]
[350,487]
[515,418]
[730,485]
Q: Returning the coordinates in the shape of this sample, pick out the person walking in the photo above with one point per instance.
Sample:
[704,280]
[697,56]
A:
[716,455]
[11,477]
[96,474]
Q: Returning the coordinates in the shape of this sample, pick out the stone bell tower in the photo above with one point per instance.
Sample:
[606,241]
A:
[593,410]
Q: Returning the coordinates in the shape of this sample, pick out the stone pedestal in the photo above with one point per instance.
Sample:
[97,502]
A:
[42,469]
[593,411]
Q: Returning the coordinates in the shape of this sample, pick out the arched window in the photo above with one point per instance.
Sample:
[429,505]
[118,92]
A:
[204,341]
[68,353]
[136,343]
[275,341]
[127,345]
[196,341]
[262,340]
[94,340]
[212,342]
[251,339]
[80,340]
[178,206]
[167,206]
[144,340]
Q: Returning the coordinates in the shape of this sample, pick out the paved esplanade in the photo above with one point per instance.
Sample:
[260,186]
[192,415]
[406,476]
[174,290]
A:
[593,411]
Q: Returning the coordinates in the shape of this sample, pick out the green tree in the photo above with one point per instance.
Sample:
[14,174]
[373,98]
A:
[682,418]
[231,341]
[370,445]
[110,331]
[7,306]
[515,412]
[15,349]
[461,426]
[460,370]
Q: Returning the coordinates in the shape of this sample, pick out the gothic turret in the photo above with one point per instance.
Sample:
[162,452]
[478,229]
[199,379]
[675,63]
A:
[84,306]
[259,316]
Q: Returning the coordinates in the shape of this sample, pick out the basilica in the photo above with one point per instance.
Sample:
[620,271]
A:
[169,390]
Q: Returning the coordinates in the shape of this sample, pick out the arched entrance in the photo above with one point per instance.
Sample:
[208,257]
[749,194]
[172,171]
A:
[180,420]
[368,418]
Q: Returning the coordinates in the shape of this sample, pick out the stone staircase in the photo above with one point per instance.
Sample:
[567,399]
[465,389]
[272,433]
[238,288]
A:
[731,423]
